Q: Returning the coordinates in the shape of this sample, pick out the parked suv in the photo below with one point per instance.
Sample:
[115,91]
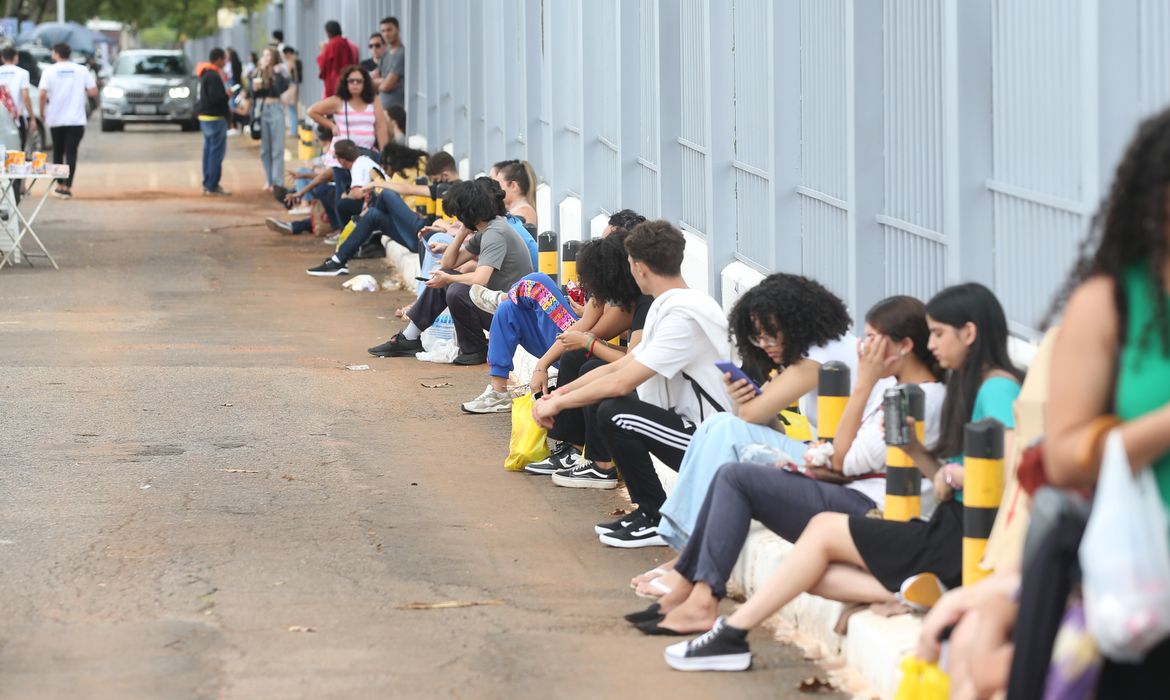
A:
[150,86]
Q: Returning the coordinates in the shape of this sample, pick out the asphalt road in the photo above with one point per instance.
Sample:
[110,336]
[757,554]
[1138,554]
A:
[198,500]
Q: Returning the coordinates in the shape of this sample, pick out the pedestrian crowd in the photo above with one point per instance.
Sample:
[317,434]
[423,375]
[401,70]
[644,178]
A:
[262,95]
[938,479]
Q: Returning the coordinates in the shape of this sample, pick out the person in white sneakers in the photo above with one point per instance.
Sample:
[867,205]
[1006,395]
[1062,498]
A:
[653,399]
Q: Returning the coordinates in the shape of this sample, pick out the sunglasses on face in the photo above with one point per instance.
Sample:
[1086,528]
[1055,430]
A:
[356,81]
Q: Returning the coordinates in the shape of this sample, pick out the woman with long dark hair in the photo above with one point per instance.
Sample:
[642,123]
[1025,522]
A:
[352,112]
[860,559]
[1112,356]
[534,313]
[894,351]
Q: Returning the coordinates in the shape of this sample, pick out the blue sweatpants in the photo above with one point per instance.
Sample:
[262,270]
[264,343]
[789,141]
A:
[532,317]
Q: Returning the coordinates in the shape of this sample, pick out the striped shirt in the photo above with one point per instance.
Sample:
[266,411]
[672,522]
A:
[355,125]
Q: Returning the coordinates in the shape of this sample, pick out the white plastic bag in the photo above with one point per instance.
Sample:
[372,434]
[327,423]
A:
[361,283]
[1125,558]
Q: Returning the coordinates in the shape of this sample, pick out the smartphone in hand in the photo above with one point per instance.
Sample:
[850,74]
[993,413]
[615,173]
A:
[737,374]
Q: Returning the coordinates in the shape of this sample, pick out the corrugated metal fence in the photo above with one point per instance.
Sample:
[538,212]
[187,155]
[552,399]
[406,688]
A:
[881,147]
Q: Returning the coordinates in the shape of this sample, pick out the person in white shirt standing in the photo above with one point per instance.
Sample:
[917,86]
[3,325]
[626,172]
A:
[65,87]
[16,79]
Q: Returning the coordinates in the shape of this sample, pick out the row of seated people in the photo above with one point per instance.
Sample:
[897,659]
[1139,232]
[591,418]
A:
[741,456]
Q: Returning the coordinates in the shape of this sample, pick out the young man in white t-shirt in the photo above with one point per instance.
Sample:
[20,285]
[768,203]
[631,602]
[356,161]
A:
[65,87]
[16,79]
[677,385]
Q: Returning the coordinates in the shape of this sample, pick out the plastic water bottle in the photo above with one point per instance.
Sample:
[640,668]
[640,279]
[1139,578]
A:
[444,327]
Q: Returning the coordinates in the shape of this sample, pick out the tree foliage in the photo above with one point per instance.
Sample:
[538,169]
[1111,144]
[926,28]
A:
[186,18]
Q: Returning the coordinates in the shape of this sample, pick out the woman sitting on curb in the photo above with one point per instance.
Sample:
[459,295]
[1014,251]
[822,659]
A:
[895,349]
[865,560]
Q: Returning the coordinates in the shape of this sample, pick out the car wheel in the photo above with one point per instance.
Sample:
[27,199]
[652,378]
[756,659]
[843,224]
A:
[109,125]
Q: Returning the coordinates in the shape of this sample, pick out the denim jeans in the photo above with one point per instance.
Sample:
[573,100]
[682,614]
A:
[292,119]
[534,314]
[214,148]
[427,260]
[714,444]
[272,143]
[390,215]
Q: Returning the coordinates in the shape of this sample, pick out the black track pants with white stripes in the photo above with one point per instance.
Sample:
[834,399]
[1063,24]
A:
[631,429]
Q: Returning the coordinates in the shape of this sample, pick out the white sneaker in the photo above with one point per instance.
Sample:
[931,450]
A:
[300,211]
[486,299]
[233,132]
[489,402]
[332,239]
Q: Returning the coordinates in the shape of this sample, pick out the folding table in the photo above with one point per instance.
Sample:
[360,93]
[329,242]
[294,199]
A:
[23,224]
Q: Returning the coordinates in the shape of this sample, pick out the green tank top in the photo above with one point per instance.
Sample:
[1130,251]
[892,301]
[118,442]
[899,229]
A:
[1143,374]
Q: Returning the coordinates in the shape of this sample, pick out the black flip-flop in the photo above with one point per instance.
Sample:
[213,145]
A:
[652,628]
[650,613]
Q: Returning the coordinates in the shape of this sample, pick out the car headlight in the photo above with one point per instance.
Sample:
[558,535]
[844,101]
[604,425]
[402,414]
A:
[179,93]
[113,92]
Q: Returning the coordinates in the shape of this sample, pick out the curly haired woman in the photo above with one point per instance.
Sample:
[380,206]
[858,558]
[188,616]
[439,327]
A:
[788,324]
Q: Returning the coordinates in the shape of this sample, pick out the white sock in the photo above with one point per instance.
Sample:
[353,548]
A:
[335,259]
[412,332]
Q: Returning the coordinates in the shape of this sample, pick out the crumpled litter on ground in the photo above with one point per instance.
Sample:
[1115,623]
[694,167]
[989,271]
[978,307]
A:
[357,368]
[361,283]
[391,284]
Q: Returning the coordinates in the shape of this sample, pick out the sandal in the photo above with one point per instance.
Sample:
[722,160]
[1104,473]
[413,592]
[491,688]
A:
[648,576]
[922,591]
[653,590]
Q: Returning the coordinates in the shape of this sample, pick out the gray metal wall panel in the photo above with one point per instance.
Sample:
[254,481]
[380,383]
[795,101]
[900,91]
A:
[753,148]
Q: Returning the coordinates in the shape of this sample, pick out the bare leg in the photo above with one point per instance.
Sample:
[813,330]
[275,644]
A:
[680,590]
[825,541]
[697,614]
[499,383]
[848,584]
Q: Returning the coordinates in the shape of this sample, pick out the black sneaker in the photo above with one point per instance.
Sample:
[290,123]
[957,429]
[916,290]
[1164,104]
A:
[643,532]
[554,462]
[279,226]
[620,524]
[580,473]
[724,648]
[468,359]
[329,268]
[398,346]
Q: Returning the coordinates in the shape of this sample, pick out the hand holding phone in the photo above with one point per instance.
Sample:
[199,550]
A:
[737,374]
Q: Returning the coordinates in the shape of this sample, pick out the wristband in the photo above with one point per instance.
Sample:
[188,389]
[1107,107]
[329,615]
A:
[589,350]
[540,369]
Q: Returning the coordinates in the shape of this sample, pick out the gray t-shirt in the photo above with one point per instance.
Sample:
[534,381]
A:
[394,61]
[501,248]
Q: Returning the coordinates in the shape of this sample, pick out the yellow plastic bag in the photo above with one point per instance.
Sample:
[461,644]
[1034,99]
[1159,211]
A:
[922,681]
[345,233]
[529,441]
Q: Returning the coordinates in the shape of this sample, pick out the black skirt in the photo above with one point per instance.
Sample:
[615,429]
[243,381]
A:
[894,551]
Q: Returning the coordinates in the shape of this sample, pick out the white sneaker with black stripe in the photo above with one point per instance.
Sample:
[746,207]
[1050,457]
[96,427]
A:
[580,473]
[555,462]
[643,532]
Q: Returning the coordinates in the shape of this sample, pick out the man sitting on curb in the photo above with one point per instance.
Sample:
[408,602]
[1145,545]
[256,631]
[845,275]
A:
[362,171]
[498,259]
[676,381]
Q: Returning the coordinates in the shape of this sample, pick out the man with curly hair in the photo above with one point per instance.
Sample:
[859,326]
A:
[653,399]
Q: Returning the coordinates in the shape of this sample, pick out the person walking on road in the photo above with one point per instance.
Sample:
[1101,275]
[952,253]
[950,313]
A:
[213,120]
[16,79]
[65,89]
[336,53]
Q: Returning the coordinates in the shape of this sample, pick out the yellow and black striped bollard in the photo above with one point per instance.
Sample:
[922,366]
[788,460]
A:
[903,480]
[569,261]
[546,246]
[833,383]
[982,490]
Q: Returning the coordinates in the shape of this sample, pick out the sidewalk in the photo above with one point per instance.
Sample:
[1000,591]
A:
[193,481]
